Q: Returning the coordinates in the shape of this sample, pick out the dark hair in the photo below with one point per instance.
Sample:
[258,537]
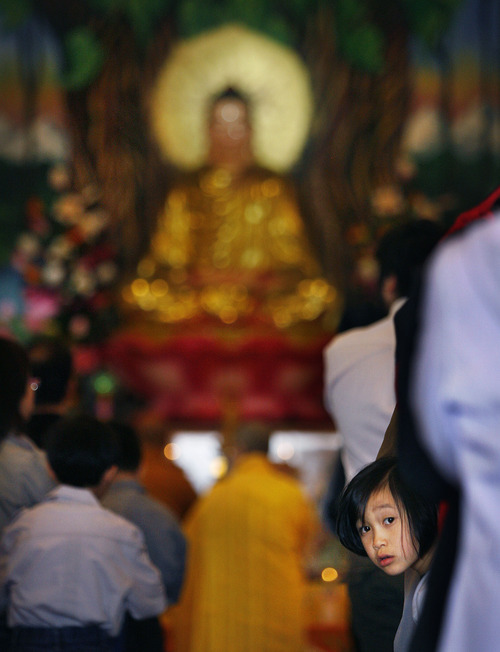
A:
[421,513]
[80,449]
[129,457]
[253,437]
[14,374]
[403,250]
[52,363]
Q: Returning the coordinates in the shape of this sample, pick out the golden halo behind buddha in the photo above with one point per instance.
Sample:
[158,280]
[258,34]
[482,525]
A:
[272,76]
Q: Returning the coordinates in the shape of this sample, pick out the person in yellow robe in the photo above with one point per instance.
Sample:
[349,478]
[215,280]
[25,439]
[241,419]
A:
[248,542]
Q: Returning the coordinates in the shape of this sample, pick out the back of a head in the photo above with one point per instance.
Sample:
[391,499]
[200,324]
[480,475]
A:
[403,250]
[51,362]
[80,449]
[129,445]
[253,437]
[14,374]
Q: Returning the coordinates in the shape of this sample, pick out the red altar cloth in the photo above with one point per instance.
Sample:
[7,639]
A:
[202,378]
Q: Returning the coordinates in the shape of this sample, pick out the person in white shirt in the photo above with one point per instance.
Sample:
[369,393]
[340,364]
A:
[70,569]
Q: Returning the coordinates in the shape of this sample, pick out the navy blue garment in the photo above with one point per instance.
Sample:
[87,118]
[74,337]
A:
[62,639]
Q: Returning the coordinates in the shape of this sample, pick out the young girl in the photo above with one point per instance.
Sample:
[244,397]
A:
[380,517]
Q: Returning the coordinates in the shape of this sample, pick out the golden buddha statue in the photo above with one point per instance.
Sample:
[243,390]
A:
[230,243]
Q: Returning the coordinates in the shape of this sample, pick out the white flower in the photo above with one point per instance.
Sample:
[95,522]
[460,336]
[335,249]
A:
[59,177]
[92,223]
[69,209]
[53,273]
[106,272]
[29,245]
[60,249]
[83,281]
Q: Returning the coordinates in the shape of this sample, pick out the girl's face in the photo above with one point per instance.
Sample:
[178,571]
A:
[386,536]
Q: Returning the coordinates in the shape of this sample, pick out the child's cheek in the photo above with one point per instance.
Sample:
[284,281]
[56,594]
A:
[367,548]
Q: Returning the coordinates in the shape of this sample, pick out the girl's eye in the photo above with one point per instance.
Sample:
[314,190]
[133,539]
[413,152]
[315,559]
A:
[389,520]
[364,529]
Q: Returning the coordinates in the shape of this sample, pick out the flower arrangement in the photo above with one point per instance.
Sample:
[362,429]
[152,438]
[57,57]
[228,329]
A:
[66,265]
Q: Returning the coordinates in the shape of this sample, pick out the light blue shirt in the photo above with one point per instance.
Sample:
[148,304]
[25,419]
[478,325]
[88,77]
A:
[70,562]
[457,402]
[24,477]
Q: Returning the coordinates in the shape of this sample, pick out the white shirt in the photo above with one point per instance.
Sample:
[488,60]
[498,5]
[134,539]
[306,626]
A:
[415,588]
[70,562]
[360,391]
[457,402]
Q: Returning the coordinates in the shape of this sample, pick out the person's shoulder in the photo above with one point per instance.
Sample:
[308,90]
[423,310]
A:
[157,507]
[19,454]
[23,520]
[464,266]
[139,507]
[119,527]
[355,340]
[283,478]
[153,508]
[479,240]
[290,484]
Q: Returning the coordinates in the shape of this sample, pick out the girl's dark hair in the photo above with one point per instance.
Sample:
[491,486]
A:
[14,374]
[381,474]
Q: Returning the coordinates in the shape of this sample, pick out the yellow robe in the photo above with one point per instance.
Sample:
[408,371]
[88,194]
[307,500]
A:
[244,586]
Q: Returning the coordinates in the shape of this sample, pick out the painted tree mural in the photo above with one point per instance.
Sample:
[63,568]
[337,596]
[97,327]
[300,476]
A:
[358,57]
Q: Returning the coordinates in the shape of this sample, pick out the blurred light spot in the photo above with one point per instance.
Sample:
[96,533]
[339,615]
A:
[104,383]
[329,574]
[285,450]
[140,287]
[159,287]
[218,467]
[172,452]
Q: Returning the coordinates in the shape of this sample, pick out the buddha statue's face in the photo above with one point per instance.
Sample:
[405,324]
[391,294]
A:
[229,132]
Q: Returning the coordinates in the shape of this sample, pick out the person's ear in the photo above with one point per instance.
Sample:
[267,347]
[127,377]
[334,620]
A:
[51,473]
[389,290]
[107,478]
[110,475]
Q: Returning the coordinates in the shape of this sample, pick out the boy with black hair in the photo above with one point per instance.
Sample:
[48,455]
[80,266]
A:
[163,535]
[70,569]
